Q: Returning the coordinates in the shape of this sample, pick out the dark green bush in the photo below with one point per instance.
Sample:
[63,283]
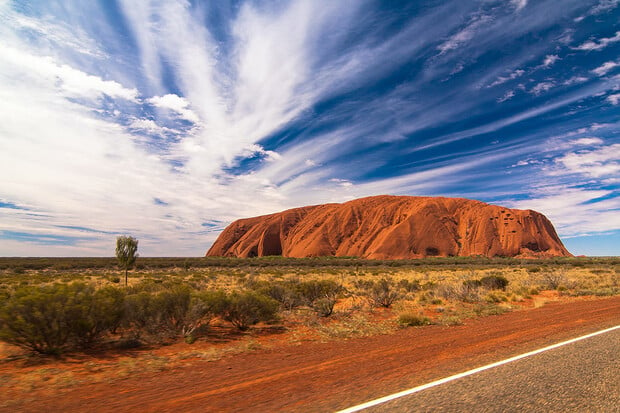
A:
[494,282]
[248,308]
[472,284]
[310,291]
[203,307]
[383,293]
[138,313]
[409,286]
[94,312]
[324,307]
[53,318]
[285,292]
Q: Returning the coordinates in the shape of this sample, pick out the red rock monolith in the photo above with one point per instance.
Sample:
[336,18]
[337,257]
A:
[393,227]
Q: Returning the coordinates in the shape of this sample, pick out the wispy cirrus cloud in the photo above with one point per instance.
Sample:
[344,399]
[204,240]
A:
[518,4]
[550,59]
[503,79]
[605,68]
[614,98]
[599,44]
[542,87]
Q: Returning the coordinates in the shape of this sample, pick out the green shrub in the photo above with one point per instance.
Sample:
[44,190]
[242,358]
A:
[494,282]
[412,320]
[310,291]
[287,293]
[248,308]
[138,313]
[324,307]
[203,308]
[472,284]
[94,312]
[54,318]
[409,286]
[384,293]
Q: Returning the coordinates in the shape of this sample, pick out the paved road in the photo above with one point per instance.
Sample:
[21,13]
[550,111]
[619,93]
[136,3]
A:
[579,377]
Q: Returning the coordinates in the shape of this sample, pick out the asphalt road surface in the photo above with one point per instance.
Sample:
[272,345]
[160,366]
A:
[579,377]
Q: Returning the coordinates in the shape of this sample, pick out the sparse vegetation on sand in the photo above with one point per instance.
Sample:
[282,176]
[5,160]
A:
[72,307]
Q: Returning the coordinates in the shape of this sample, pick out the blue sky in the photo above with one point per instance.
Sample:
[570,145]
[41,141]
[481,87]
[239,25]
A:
[168,120]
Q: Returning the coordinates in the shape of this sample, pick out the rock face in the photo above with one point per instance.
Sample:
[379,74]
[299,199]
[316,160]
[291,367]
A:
[393,227]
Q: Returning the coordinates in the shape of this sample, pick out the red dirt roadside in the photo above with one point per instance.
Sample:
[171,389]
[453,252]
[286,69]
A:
[329,376]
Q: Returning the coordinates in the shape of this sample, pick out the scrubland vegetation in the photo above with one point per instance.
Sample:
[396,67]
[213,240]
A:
[55,306]
[66,321]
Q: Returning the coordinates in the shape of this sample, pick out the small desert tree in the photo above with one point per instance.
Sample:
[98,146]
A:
[126,252]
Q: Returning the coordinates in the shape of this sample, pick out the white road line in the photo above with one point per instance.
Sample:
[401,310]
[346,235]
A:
[469,373]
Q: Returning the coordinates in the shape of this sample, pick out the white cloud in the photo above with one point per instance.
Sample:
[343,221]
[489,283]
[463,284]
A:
[614,99]
[600,44]
[542,87]
[254,150]
[465,34]
[175,103]
[605,68]
[590,141]
[550,59]
[148,125]
[508,95]
[575,80]
[345,183]
[597,163]
[53,33]
[604,6]
[503,79]
[574,211]
[70,81]
[518,4]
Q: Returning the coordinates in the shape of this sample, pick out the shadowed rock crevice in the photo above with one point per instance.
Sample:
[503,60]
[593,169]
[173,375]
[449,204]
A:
[393,227]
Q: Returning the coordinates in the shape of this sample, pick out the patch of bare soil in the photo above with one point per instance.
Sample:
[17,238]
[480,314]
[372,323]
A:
[325,376]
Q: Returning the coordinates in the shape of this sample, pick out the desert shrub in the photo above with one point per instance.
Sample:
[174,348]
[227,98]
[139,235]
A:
[494,282]
[409,286]
[383,293]
[467,291]
[310,291]
[285,292]
[203,308]
[472,283]
[94,312]
[324,307]
[172,311]
[363,285]
[248,308]
[495,298]
[54,318]
[552,280]
[412,320]
[138,315]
